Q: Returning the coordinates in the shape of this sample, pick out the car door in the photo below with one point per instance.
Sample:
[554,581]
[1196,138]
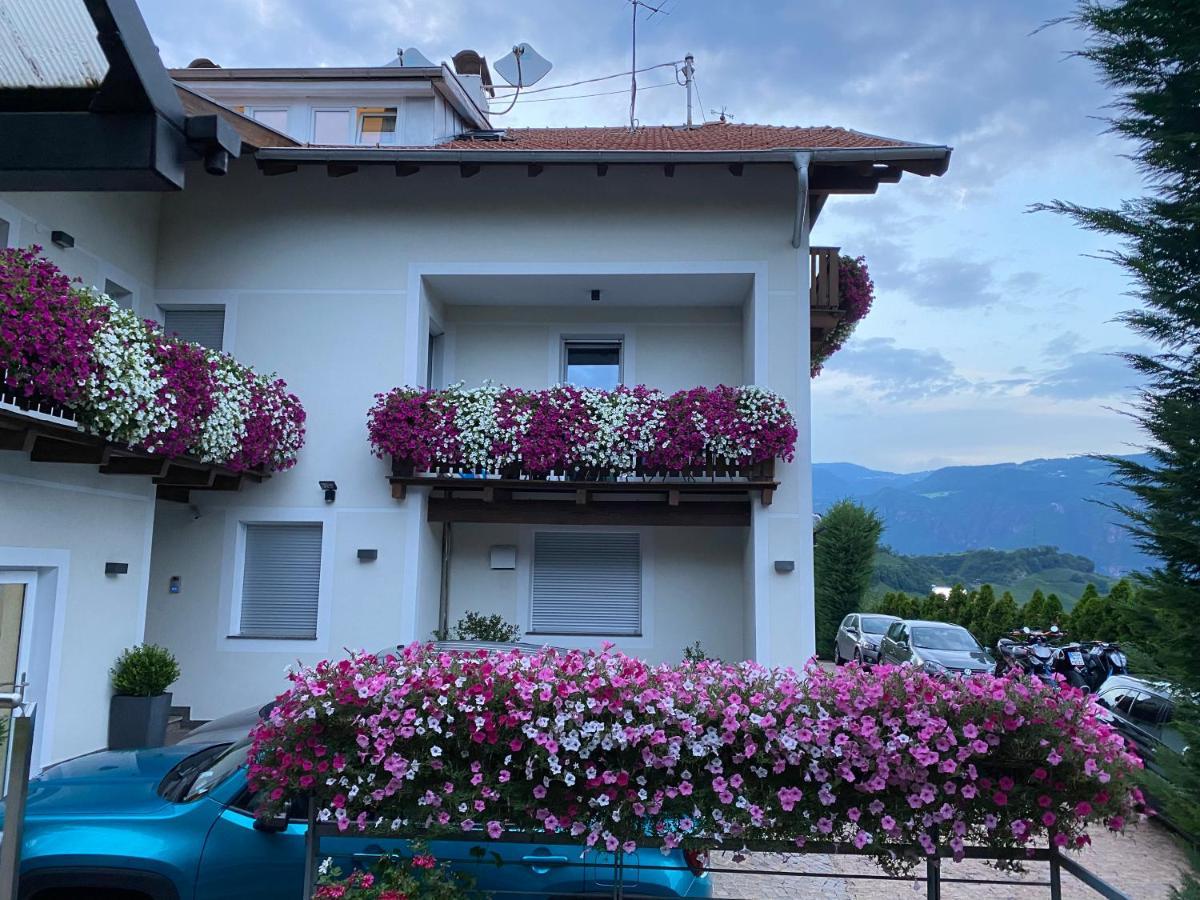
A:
[845,637]
[887,646]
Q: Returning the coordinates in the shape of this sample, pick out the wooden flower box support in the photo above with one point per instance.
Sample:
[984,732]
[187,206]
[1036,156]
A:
[716,493]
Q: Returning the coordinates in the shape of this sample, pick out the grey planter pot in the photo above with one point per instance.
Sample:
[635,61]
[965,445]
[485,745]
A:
[138,721]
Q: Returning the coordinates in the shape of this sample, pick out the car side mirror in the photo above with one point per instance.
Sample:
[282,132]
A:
[271,824]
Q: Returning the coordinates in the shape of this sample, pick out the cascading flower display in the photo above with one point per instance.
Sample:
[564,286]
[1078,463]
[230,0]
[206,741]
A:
[611,751]
[565,428]
[857,293]
[127,381]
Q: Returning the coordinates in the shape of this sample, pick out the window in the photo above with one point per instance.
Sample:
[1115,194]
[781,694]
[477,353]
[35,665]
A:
[331,126]
[592,364]
[4,232]
[122,295]
[377,124]
[281,580]
[848,622]
[433,361]
[204,325]
[586,583]
[276,117]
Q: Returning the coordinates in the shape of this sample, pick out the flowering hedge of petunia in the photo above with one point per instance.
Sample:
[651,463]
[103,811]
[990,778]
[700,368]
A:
[857,293]
[566,428]
[608,749]
[125,380]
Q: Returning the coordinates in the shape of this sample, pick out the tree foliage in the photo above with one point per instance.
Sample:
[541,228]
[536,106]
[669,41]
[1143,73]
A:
[1148,52]
[842,558]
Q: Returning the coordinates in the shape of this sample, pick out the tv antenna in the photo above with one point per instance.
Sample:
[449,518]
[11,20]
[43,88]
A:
[722,114]
[654,10]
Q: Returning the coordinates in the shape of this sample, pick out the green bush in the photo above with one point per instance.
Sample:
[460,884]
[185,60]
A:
[146,670]
[478,627]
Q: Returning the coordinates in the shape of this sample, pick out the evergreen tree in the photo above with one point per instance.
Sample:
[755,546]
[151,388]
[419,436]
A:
[1148,51]
[842,561]
[1001,619]
[956,604]
[933,607]
[910,607]
[1033,613]
[1052,612]
[1090,619]
[980,605]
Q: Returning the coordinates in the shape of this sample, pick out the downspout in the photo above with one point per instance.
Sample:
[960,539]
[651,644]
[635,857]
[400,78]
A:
[443,625]
[801,162]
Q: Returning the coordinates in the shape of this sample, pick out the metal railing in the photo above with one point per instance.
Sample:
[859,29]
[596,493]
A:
[622,876]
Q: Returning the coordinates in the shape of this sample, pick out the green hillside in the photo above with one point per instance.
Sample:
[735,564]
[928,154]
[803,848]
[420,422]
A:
[1019,571]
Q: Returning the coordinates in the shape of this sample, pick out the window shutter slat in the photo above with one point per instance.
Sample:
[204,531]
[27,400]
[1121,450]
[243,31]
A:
[587,584]
[200,326]
[281,581]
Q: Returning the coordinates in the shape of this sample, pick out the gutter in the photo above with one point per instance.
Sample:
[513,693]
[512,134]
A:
[938,158]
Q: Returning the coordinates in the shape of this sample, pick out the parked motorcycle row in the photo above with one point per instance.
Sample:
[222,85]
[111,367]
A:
[1045,654]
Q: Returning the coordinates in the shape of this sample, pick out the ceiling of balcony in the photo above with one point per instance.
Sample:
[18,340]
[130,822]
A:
[576,290]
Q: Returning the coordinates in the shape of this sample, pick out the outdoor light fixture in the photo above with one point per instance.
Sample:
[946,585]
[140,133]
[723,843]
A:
[330,489]
[62,239]
[116,568]
[595,295]
[367,554]
[783,566]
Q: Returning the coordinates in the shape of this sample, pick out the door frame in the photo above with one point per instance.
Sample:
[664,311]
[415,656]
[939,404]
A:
[28,578]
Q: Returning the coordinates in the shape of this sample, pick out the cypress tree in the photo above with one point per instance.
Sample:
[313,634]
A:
[1148,52]
[1000,620]
[1033,613]
[1090,617]
[980,605]
[842,562]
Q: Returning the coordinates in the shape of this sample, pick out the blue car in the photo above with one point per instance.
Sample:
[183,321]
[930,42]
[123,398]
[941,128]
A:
[176,823]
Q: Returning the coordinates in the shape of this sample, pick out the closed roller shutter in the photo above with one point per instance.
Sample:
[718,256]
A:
[587,584]
[205,327]
[281,581]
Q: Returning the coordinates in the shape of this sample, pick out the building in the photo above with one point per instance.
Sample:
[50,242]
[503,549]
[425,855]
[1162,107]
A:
[356,230]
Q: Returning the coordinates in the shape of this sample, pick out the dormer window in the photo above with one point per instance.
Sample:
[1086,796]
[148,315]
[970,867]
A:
[377,125]
[331,126]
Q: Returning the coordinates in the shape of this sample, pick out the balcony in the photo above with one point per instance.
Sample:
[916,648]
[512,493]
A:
[566,456]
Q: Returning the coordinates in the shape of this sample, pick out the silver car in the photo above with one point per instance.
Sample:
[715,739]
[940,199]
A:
[859,636]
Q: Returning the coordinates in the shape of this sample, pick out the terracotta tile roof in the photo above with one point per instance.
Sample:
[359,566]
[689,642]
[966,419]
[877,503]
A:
[714,136]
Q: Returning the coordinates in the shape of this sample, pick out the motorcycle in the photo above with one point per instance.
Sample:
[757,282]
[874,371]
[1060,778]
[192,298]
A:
[1070,662]
[1102,659]
[1031,653]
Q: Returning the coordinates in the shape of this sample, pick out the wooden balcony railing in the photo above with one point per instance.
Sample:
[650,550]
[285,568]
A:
[824,294]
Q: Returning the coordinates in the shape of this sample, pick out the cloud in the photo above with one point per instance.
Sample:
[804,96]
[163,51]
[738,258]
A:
[1089,375]
[948,283]
[1063,344]
[897,373]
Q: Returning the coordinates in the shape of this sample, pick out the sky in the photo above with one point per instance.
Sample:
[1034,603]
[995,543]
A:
[993,335]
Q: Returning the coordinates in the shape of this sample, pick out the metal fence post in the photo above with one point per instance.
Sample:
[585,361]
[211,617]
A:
[933,878]
[1055,875]
[311,843]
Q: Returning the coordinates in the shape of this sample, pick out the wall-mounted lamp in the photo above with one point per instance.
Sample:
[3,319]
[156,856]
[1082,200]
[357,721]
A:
[61,239]
[367,554]
[783,566]
[330,489]
[175,584]
[595,295]
[115,568]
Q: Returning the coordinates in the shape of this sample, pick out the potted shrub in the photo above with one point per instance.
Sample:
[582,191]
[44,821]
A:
[138,711]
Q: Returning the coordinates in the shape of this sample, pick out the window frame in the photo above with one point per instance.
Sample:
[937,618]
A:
[208,306]
[233,574]
[567,341]
[250,112]
[525,554]
[361,112]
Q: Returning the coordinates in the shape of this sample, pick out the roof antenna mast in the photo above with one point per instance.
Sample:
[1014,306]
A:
[633,69]
[689,69]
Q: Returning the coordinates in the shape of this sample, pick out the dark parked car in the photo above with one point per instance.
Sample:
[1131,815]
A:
[1143,711]
[858,637]
[938,648]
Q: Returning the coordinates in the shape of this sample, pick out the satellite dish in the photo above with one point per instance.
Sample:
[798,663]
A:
[412,58]
[533,67]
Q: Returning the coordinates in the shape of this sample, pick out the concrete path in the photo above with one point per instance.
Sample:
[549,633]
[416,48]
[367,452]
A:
[1145,863]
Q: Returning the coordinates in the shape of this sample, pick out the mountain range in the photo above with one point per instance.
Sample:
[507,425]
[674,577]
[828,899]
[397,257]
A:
[1007,506]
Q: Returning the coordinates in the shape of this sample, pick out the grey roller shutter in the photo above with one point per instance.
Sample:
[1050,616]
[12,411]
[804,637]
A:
[586,583]
[281,580]
[200,326]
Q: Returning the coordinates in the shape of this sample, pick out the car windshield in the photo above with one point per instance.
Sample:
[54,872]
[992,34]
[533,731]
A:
[943,639]
[201,772]
[875,624]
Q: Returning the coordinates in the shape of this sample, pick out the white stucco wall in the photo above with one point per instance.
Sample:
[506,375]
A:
[692,587]
[64,522]
[324,281]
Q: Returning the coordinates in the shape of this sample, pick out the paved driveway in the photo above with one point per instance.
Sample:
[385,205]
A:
[1144,863]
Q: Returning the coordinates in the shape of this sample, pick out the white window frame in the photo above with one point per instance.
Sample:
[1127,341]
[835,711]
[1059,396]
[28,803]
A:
[233,579]
[565,340]
[351,114]
[249,112]
[525,545]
